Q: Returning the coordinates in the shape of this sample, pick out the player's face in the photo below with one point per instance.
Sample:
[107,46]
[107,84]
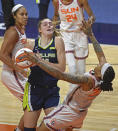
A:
[97,71]
[21,16]
[46,27]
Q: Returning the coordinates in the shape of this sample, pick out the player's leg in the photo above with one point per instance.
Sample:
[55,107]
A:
[52,99]
[7,6]
[43,9]
[31,109]
[80,64]
[49,121]
[69,50]
[21,124]
[71,61]
[81,52]
[16,87]
[60,118]
[42,127]
[49,104]
[30,119]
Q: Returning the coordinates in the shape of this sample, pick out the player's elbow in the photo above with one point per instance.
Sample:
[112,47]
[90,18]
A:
[3,55]
[62,66]
[62,69]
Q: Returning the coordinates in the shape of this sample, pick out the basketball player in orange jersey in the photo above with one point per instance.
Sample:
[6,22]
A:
[12,76]
[71,14]
[73,111]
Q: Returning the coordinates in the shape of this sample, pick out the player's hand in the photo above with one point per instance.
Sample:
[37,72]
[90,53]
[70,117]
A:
[86,27]
[22,71]
[55,23]
[91,20]
[33,57]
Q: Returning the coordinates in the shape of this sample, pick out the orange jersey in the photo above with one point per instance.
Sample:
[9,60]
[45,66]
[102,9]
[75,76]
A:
[81,100]
[70,15]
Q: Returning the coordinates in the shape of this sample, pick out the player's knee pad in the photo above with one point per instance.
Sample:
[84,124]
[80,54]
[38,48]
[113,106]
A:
[29,129]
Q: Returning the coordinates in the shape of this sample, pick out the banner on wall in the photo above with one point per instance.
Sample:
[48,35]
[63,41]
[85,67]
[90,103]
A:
[105,28]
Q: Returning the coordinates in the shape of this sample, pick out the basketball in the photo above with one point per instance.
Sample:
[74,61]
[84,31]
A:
[21,60]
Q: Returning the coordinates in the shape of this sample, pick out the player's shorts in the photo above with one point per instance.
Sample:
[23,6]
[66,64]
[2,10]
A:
[64,117]
[76,42]
[36,98]
[14,81]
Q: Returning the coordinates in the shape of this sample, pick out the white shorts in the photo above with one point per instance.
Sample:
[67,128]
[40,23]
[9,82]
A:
[64,117]
[76,42]
[15,82]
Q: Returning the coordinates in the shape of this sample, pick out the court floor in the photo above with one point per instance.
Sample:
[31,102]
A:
[102,115]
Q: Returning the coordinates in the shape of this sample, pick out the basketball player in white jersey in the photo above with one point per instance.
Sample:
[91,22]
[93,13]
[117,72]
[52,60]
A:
[12,76]
[71,14]
[74,109]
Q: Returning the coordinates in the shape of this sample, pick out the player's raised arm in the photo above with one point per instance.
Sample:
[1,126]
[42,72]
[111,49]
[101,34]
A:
[86,27]
[88,10]
[56,14]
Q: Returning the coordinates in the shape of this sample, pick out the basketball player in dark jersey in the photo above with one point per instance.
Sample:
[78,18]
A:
[41,91]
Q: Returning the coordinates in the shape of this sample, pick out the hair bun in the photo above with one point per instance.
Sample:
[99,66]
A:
[106,86]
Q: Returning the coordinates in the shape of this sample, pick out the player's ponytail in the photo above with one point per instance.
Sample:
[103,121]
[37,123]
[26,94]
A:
[106,86]
[108,75]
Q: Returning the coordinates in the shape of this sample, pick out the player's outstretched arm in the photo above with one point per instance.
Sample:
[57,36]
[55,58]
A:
[98,50]
[86,27]
[55,72]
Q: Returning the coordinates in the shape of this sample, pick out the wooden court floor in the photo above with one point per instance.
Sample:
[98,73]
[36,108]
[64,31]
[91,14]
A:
[102,115]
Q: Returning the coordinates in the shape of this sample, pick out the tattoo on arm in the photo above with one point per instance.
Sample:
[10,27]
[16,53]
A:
[96,45]
[61,75]
[75,79]
[98,49]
